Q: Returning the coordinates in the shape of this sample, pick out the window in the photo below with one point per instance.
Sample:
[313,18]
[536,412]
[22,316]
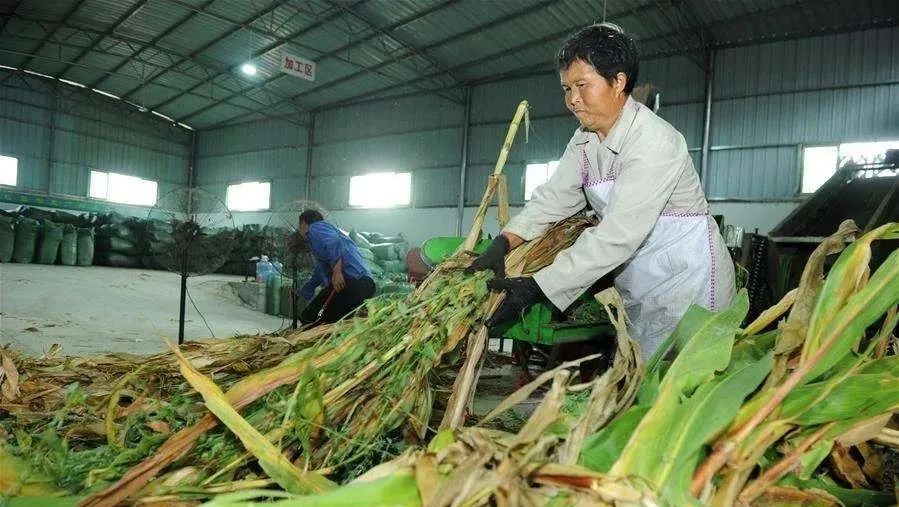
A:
[536,175]
[249,196]
[381,190]
[123,188]
[818,165]
[820,162]
[9,170]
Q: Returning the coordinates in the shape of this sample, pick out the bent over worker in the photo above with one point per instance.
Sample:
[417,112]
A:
[339,268]
[633,169]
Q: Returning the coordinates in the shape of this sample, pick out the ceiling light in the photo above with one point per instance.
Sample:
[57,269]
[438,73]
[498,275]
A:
[248,69]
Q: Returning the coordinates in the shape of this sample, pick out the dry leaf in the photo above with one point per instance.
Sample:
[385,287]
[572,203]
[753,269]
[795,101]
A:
[159,427]
[865,430]
[846,468]
[9,378]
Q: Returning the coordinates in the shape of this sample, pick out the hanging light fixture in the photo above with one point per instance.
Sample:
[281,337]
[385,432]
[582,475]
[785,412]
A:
[248,69]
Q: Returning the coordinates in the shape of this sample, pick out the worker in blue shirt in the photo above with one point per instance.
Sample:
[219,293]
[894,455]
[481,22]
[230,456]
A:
[339,268]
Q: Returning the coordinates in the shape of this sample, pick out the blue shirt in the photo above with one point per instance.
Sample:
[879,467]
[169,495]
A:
[329,245]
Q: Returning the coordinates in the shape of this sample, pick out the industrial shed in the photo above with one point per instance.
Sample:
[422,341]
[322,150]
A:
[156,156]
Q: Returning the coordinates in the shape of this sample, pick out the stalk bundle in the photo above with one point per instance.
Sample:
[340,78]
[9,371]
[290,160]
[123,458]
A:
[334,403]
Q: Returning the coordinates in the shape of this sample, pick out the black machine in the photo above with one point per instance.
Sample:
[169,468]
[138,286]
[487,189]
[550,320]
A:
[865,193]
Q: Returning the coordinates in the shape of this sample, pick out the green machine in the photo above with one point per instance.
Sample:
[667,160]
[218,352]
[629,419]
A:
[542,325]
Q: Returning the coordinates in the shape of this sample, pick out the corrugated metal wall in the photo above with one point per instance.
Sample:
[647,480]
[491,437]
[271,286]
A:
[59,134]
[770,99]
[422,135]
[273,151]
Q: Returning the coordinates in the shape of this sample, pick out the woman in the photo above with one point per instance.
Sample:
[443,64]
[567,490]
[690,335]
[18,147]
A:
[633,169]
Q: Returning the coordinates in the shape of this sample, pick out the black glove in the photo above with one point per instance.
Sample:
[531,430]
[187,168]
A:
[494,258]
[520,294]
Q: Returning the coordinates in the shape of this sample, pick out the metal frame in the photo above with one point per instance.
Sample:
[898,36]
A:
[678,22]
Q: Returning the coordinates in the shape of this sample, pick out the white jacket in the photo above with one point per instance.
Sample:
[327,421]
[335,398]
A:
[655,229]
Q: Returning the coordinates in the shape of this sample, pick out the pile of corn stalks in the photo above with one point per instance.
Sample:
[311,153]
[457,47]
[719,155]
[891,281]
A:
[723,416]
[332,401]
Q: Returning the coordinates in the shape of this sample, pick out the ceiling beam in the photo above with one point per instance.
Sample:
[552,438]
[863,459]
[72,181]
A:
[9,14]
[483,26]
[112,27]
[193,54]
[409,46]
[125,59]
[729,21]
[65,19]
[276,44]
[127,76]
[449,40]
[323,56]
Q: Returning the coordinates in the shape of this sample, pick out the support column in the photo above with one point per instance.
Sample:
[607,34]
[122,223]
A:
[191,176]
[707,119]
[463,172]
[51,140]
[310,144]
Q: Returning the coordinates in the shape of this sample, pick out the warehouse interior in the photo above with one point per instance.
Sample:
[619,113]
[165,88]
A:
[120,121]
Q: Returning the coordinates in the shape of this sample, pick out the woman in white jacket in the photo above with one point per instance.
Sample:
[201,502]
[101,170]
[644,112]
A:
[633,169]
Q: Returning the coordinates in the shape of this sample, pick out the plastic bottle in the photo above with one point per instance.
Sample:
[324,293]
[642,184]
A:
[278,267]
[264,269]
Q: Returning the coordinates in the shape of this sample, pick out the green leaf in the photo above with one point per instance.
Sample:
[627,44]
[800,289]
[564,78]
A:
[601,449]
[397,490]
[278,467]
[849,497]
[858,396]
[846,323]
[681,418]
[441,440]
[810,460]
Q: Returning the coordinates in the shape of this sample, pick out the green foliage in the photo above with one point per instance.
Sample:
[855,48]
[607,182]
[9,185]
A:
[849,497]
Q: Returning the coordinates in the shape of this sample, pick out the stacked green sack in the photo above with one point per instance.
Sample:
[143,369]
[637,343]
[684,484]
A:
[385,257]
[117,241]
[154,241]
[51,237]
[27,232]
[7,237]
[85,248]
[68,247]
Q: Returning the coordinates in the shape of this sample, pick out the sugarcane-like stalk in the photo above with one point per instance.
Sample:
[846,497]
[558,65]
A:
[767,479]
[502,193]
[520,114]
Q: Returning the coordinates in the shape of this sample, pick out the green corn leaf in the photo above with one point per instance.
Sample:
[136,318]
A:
[279,468]
[699,419]
[858,396]
[681,418]
[397,490]
[753,348]
[849,497]
[810,460]
[601,449]
[844,311]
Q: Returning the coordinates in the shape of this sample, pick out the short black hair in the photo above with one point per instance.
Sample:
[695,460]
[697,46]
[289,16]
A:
[607,49]
[310,216]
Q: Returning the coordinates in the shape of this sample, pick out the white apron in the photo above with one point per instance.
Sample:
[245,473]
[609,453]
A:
[680,263]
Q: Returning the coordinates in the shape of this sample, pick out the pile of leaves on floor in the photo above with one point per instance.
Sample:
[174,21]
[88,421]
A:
[794,408]
[303,411]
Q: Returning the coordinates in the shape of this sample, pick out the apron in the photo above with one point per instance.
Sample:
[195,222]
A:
[683,261]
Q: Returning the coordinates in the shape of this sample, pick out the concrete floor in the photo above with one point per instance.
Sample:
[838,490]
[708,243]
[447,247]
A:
[94,310]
